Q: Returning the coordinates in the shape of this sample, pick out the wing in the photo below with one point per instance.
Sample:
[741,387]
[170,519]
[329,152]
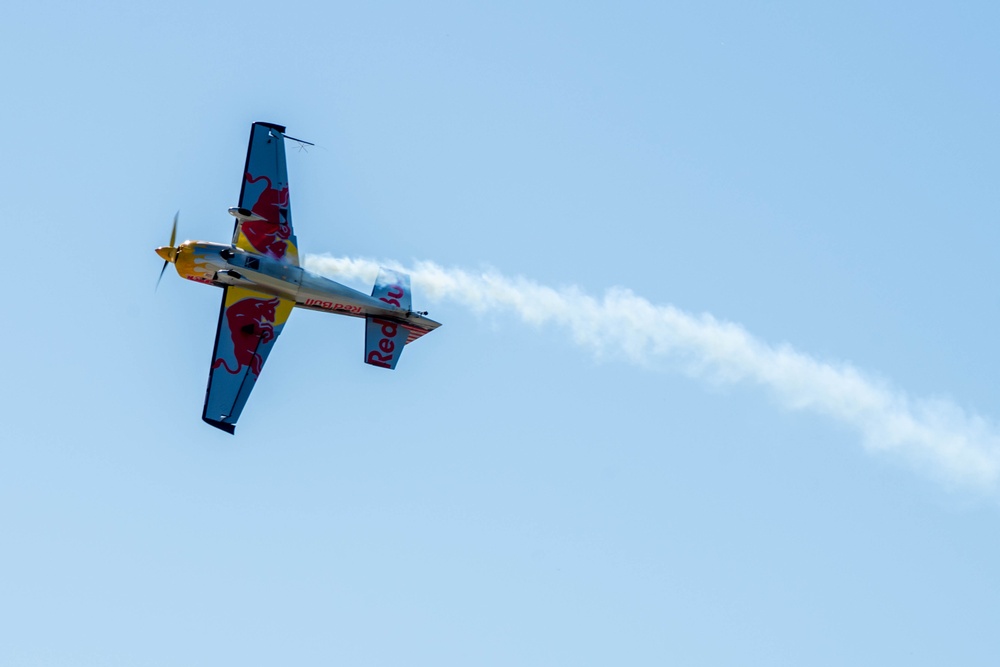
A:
[265,195]
[249,323]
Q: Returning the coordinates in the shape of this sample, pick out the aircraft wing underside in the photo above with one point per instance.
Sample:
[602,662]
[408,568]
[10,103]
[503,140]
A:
[249,324]
[265,194]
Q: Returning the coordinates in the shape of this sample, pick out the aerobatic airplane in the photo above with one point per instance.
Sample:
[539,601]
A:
[262,281]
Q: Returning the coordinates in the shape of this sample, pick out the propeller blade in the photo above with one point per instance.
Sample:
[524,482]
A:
[169,252]
[162,271]
[173,232]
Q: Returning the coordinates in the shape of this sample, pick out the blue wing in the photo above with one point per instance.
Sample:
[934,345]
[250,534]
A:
[249,324]
[265,194]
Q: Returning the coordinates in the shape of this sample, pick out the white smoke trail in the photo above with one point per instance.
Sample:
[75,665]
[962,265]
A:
[938,435]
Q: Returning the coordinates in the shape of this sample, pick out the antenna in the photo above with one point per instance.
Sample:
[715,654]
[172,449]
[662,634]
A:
[302,143]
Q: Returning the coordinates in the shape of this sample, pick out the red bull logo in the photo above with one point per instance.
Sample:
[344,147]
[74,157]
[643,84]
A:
[251,324]
[270,235]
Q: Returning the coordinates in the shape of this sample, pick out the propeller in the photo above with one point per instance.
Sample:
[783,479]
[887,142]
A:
[168,252]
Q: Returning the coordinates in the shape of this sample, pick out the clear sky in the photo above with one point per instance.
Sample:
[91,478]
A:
[820,178]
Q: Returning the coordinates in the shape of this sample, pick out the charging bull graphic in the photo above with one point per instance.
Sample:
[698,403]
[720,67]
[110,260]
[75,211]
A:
[270,235]
[251,324]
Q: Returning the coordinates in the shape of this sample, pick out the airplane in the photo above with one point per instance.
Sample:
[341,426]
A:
[262,282]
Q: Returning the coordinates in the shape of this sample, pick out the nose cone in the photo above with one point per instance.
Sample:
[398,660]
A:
[167,253]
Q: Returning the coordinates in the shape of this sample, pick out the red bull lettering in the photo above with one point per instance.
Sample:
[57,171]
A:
[318,303]
[393,295]
[330,305]
[384,354]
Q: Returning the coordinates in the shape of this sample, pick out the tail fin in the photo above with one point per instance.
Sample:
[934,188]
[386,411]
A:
[385,338]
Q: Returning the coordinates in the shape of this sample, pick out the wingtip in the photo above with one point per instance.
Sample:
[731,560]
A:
[222,426]
[273,126]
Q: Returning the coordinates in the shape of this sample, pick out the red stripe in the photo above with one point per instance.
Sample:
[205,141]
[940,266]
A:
[414,333]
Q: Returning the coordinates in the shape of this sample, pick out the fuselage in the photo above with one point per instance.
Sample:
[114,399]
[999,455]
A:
[221,265]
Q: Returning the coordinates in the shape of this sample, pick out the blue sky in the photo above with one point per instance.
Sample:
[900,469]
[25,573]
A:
[824,177]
